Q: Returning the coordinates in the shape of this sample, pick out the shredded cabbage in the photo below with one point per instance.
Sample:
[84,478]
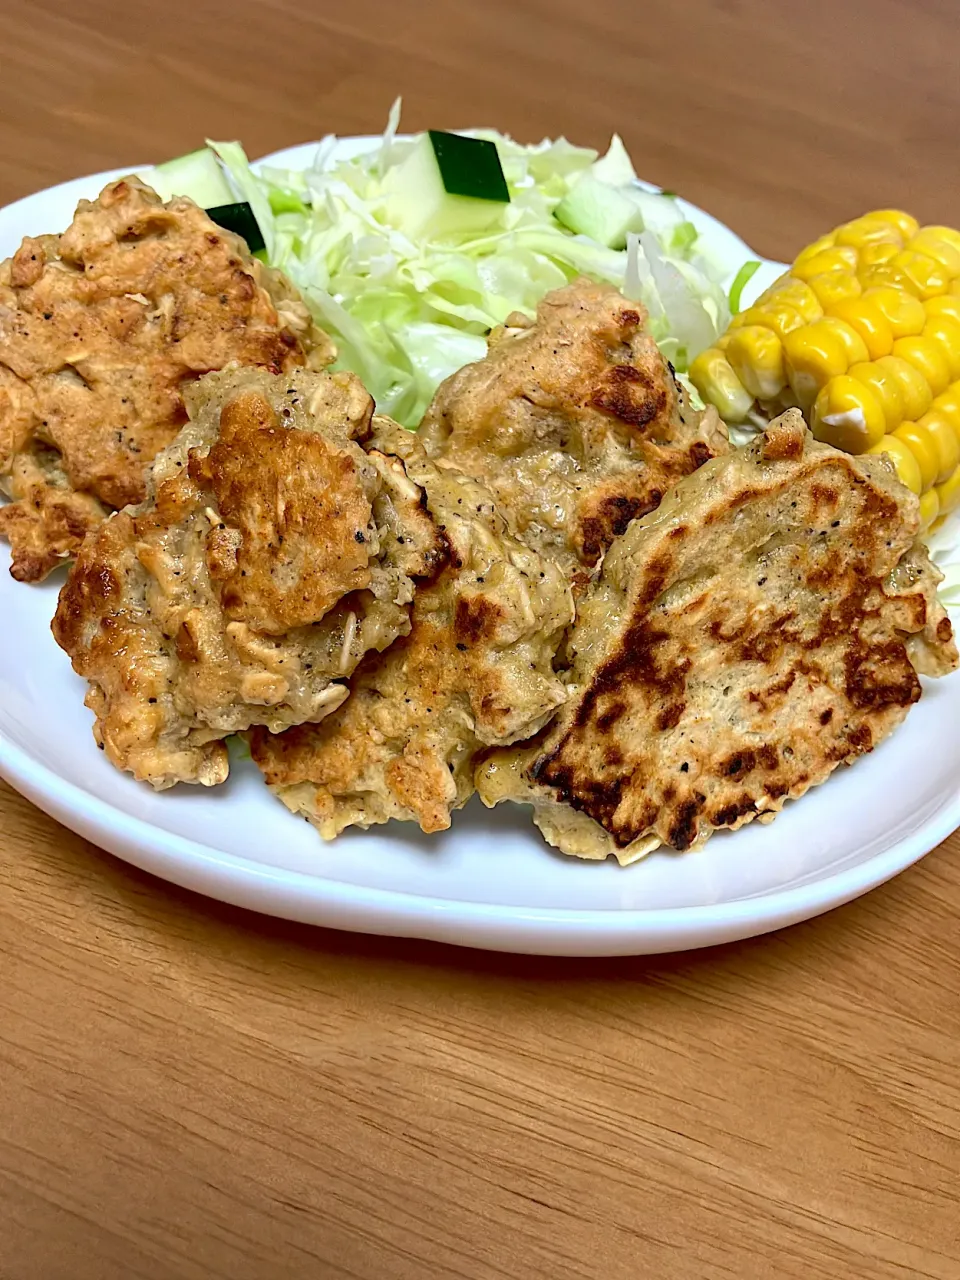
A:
[407,313]
[944,547]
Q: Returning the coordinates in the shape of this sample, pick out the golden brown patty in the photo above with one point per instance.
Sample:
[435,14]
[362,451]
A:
[574,421]
[271,554]
[476,669]
[766,624]
[100,329]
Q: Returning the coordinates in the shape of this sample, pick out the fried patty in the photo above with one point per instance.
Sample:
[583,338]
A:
[574,421]
[101,329]
[271,554]
[765,625]
[476,669]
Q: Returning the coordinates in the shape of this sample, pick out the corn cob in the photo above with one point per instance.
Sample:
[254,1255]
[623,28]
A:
[863,335]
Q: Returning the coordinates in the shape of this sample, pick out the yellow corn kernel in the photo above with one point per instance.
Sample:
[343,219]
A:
[793,293]
[945,331]
[905,223]
[723,341]
[908,469]
[942,248]
[948,403]
[915,392]
[928,359]
[835,286]
[925,276]
[948,493]
[885,275]
[848,415]
[818,246]
[781,282]
[713,376]
[954,288]
[903,312]
[875,255]
[885,385]
[929,509]
[778,316]
[756,357]
[945,441]
[813,355]
[946,304]
[950,234]
[835,259]
[924,450]
[869,230]
[853,344]
[867,320]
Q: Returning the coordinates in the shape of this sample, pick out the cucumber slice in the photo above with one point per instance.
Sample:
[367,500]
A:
[240,219]
[469,166]
[197,175]
[603,213]
[418,204]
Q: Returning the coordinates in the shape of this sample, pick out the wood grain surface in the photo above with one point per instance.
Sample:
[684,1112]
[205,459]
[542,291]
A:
[188,1091]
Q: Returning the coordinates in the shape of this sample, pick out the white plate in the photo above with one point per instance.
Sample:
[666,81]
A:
[490,881]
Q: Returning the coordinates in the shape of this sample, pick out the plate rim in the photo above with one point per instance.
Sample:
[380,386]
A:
[540,930]
[320,900]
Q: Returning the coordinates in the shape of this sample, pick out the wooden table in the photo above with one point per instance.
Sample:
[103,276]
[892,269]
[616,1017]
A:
[188,1091]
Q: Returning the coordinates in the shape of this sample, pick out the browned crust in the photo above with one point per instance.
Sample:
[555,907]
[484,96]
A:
[240,593]
[100,329]
[476,668]
[770,613]
[574,421]
[302,493]
[48,523]
[421,673]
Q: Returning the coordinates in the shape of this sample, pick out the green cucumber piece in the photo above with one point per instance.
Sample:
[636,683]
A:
[469,166]
[418,204]
[603,213]
[239,218]
[197,175]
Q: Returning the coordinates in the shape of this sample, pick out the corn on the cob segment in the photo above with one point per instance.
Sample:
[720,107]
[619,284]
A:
[863,335]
